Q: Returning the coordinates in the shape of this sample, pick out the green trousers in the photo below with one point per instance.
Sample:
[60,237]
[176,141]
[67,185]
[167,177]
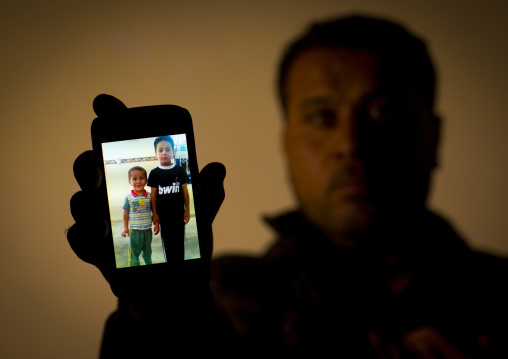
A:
[140,243]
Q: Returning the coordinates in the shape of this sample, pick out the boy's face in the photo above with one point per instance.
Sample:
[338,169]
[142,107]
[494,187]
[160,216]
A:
[138,181]
[164,153]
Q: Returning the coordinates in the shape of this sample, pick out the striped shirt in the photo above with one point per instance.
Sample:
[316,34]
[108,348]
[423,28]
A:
[140,210]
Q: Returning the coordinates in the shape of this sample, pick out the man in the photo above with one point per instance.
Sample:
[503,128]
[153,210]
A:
[361,269]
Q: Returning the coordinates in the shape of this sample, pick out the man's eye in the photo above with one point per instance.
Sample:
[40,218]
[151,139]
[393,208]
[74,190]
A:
[394,119]
[322,118]
[380,113]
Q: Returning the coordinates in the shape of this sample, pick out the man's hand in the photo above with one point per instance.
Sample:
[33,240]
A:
[124,232]
[87,236]
[186,216]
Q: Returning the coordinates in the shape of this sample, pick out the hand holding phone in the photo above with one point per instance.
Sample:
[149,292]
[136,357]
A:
[88,236]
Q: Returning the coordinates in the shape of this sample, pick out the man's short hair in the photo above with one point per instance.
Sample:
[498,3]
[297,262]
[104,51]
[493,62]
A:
[400,52]
[137,168]
[164,138]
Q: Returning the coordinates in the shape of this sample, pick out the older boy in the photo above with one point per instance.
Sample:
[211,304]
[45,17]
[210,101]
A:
[137,218]
[170,198]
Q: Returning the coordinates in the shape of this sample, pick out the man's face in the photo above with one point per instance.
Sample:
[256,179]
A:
[356,148]
[164,153]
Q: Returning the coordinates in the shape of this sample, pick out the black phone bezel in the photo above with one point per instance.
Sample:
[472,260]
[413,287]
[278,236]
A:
[136,123]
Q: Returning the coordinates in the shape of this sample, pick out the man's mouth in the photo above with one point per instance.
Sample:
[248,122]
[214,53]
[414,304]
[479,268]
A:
[350,187]
[349,182]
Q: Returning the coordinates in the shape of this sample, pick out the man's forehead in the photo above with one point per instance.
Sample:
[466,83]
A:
[346,72]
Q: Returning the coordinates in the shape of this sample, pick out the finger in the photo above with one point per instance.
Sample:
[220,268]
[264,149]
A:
[211,187]
[89,243]
[85,207]
[106,104]
[211,180]
[86,173]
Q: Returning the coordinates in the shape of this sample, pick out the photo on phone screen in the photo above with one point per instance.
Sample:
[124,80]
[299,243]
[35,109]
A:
[130,167]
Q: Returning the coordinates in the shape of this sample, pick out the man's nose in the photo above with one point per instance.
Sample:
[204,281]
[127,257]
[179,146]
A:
[343,139]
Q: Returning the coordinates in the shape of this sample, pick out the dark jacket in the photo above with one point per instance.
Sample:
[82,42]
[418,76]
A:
[306,296]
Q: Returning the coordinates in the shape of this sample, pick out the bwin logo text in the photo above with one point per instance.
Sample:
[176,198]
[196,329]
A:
[169,189]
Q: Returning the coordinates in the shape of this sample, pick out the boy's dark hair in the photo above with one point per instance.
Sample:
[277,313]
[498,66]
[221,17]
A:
[400,52]
[164,138]
[137,168]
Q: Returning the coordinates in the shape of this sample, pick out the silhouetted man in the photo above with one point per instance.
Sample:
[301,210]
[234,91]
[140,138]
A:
[361,269]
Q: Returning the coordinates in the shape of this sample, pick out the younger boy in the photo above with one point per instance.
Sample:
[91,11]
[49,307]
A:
[137,216]
[170,199]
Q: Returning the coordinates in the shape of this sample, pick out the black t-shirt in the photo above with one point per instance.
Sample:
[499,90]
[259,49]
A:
[168,182]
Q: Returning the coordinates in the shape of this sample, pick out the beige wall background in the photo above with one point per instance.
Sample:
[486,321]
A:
[218,60]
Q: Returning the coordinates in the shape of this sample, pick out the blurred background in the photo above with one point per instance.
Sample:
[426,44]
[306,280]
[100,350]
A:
[217,59]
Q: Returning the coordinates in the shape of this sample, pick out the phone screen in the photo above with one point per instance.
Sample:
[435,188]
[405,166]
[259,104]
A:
[130,167]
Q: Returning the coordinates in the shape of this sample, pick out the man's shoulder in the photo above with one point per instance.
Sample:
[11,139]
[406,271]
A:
[481,266]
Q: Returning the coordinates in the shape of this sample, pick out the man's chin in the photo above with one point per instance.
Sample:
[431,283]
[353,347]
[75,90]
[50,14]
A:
[352,219]
[349,220]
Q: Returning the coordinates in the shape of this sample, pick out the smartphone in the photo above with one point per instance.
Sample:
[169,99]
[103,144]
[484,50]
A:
[147,157]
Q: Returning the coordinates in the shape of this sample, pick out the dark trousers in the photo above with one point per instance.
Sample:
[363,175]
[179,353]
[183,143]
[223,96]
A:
[173,236]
